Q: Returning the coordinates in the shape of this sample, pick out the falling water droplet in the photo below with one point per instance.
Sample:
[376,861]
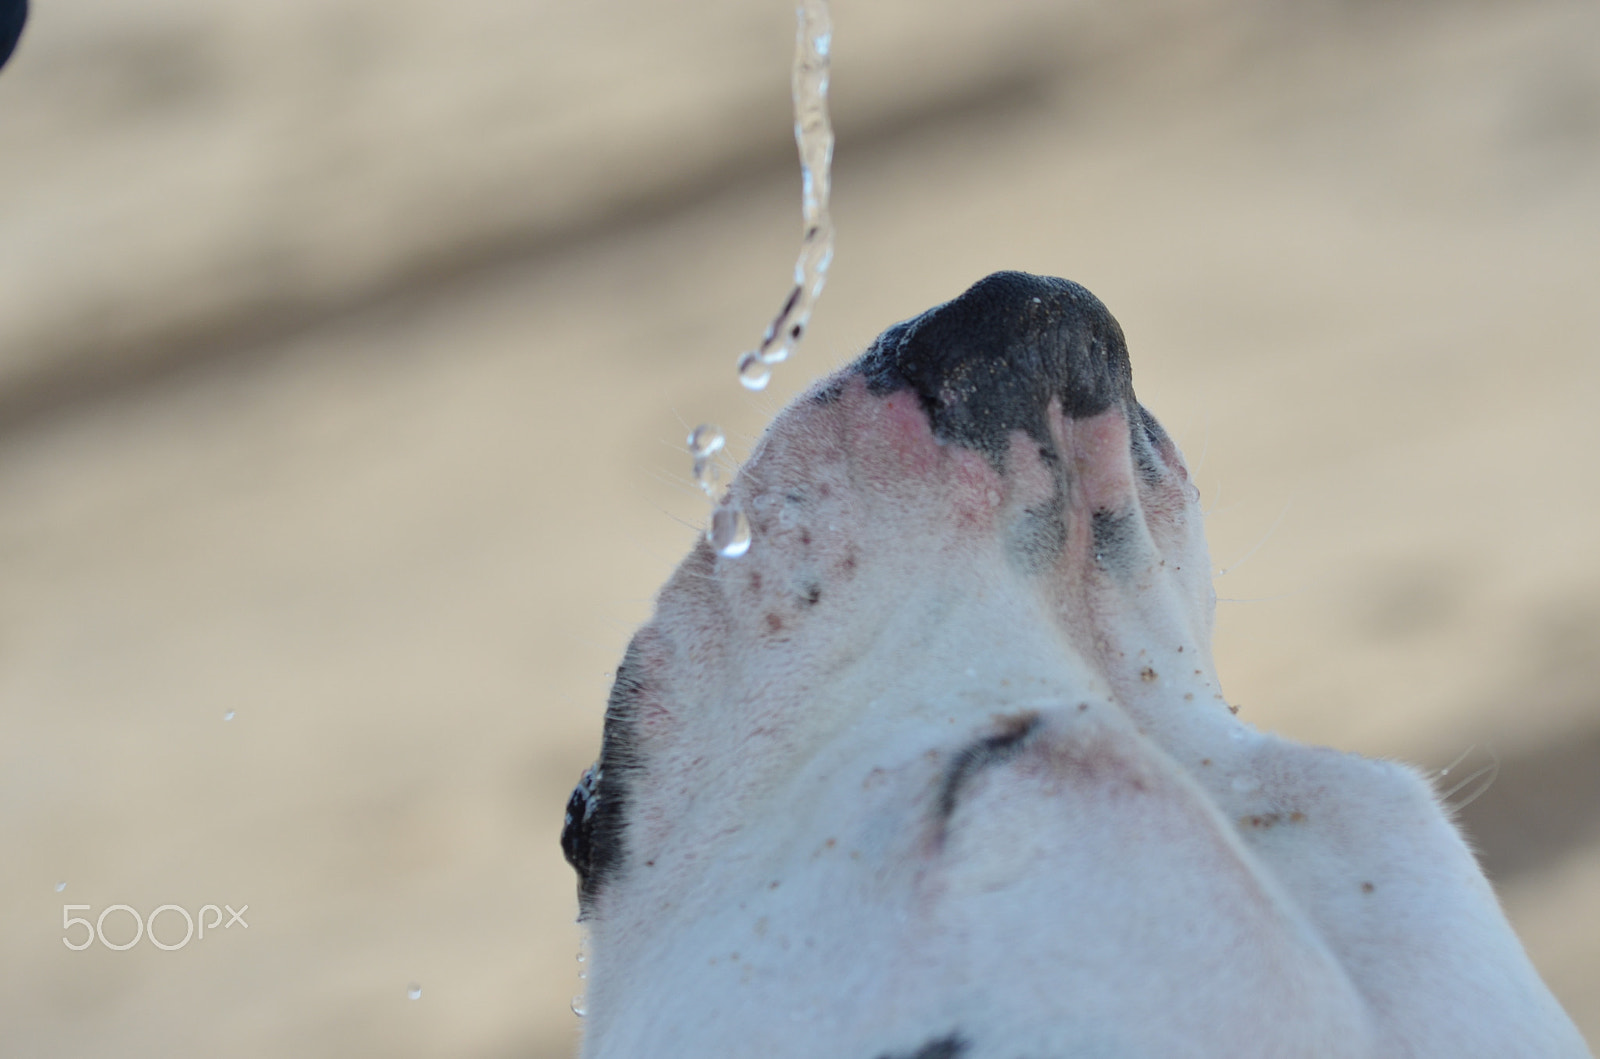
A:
[706,475]
[414,991]
[754,374]
[706,439]
[228,716]
[813,136]
[730,531]
[577,1006]
[60,886]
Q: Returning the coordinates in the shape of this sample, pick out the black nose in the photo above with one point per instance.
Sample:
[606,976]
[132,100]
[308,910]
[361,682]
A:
[991,361]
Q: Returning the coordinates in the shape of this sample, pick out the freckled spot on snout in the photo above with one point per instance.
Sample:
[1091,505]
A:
[813,594]
[1147,674]
[774,623]
[1261,821]
[1367,888]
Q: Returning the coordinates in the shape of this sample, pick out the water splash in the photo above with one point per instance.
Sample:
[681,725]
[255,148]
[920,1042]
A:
[414,991]
[813,137]
[60,886]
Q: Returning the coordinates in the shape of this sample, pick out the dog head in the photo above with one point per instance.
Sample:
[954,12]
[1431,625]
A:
[943,756]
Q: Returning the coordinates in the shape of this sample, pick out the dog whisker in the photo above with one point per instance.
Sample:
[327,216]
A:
[1457,760]
[1491,770]
[1287,504]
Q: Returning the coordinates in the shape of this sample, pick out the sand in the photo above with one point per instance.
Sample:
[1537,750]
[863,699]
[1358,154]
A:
[398,521]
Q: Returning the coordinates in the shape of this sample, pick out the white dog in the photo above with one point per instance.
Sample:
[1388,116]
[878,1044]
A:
[941,768]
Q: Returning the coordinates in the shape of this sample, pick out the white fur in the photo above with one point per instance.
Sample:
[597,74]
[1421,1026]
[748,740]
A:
[1146,875]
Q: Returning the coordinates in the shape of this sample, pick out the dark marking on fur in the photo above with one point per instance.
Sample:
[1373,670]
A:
[950,1046]
[991,750]
[1036,539]
[592,833]
[813,594]
[992,360]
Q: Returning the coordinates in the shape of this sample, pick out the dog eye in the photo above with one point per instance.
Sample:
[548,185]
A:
[577,831]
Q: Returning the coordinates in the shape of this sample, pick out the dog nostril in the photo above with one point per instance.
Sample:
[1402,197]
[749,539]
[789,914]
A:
[992,360]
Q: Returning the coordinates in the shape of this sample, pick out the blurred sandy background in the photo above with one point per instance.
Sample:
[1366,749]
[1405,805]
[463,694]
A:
[347,348]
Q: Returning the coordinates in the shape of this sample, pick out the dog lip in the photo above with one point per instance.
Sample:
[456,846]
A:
[992,360]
